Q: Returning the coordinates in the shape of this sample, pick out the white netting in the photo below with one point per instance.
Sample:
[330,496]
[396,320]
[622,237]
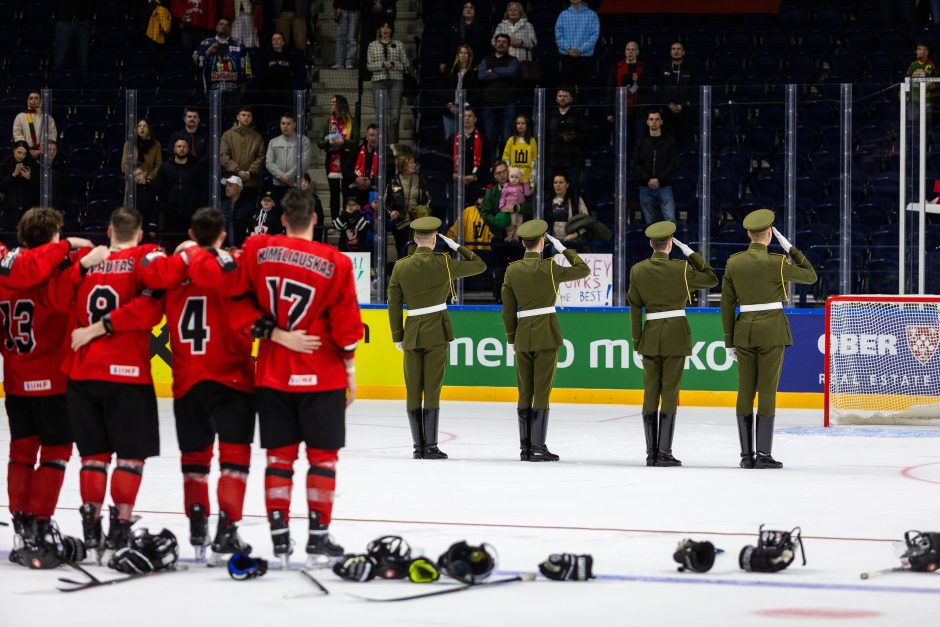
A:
[882,360]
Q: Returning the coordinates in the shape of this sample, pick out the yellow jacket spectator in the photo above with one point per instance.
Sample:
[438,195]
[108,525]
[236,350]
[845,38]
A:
[521,149]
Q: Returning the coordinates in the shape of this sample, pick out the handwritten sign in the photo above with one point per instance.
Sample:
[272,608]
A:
[362,275]
[594,290]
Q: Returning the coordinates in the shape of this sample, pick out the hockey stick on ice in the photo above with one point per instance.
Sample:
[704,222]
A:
[315,581]
[883,571]
[424,595]
[303,595]
[94,582]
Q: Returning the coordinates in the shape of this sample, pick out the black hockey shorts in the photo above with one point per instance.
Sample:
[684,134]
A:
[316,418]
[110,417]
[209,408]
[43,416]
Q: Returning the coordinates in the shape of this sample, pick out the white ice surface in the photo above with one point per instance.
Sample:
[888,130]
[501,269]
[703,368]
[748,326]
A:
[853,490]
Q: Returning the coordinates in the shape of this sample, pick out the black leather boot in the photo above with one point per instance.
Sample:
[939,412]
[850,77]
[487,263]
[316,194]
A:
[416,422]
[525,432]
[537,434]
[746,439]
[431,419]
[765,442]
[650,430]
[667,427]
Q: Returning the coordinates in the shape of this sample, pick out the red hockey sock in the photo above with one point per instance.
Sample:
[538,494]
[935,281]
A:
[93,479]
[234,461]
[278,478]
[125,483]
[321,482]
[195,467]
[20,472]
[48,479]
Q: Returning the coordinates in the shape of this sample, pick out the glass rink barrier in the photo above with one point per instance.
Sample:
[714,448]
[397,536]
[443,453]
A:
[847,169]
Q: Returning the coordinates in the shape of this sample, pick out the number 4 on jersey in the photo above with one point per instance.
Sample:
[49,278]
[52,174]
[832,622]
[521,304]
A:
[193,329]
[299,296]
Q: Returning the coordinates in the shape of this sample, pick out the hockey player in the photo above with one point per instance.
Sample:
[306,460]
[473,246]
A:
[34,346]
[300,284]
[112,405]
[663,287]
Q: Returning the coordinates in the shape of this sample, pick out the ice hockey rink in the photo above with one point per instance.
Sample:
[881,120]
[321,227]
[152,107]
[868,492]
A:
[853,490]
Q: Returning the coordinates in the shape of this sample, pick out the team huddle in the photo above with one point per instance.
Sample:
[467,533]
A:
[78,322]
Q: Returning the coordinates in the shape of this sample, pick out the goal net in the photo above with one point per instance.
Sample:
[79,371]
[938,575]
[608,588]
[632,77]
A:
[882,364]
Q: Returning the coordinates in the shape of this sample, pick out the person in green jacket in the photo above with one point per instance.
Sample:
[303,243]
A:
[529,293]
[423,281]
[756,281]
[494,217]
[663,286]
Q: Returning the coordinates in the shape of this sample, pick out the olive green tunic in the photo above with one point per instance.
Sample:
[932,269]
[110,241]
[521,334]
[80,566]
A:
[753,277]
[425,279]
[659,284]
[532,283]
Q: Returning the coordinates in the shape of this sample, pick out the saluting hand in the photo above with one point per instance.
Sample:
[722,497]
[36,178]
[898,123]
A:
[557,245]
[686,250]
[784,243]
[448,241]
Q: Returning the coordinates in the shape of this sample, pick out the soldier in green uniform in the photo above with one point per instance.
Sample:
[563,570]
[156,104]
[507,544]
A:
[531,285]
[756,281]
[663,287]
[422,281]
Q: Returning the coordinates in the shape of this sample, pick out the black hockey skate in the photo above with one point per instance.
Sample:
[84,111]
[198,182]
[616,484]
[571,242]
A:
[227,542]
[198,530]
[24,533]
[119,532]
[322,550]
[280,536]
[91,529]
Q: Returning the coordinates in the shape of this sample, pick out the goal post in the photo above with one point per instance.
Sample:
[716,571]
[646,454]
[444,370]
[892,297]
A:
[882,363]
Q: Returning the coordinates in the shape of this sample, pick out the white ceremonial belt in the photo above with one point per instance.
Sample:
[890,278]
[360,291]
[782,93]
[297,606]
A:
[761,307]
[673,313]
[528,313]
[426,310]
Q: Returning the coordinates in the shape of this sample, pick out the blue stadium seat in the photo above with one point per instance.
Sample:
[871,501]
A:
[760,142]
[85,160]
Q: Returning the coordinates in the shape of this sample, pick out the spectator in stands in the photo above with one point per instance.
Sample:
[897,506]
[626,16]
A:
[654,164]
[522,39]
[58,197]
[246,20]
[147,159]
[564,205]
[923,66]
[576,32]
[196,20]
[461,76]
[290,19]
[242,152]
[180,188]
[338,138]
[406,199]
[362,167]
[19,183]
[72,23]
[197,138]
[565,133]
[223,60]
[499,74]
[237,209]
[347,14]
[676,89]
[355,227]
[374,14]
[27,126]
[277,70]
[499,220]
[319,230]
[627,72]
[267,219]
[522,148]
[281,158]
[388,62]
[466,30]
[475,150]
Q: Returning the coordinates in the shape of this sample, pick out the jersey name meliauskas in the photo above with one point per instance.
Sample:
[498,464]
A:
[114,266]
[279,254]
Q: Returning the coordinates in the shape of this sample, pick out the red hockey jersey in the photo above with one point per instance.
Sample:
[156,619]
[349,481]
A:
[112,287]
[302,285]
[210,334]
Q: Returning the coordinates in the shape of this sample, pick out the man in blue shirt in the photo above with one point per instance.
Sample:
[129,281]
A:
[576,32]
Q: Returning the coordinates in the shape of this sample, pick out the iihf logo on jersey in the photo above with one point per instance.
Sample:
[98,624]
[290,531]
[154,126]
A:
[923,341]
